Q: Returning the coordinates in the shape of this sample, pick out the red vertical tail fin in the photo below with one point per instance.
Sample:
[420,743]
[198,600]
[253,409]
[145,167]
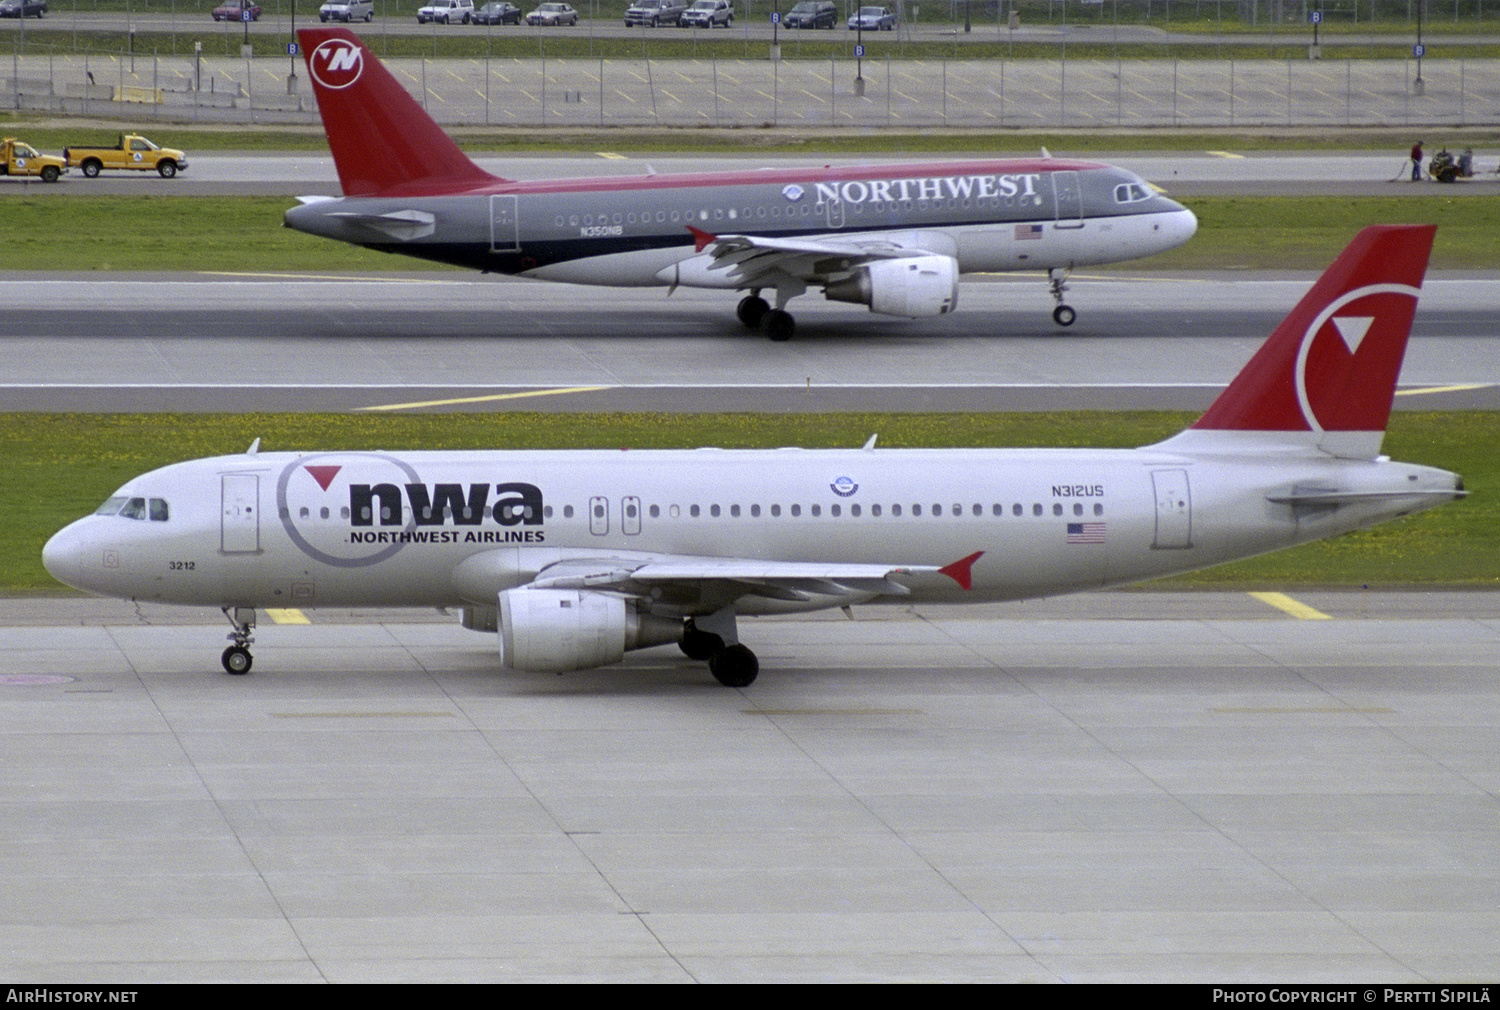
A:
[383,142]
[1327,376]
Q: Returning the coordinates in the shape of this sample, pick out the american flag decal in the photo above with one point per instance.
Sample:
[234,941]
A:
[1085,533]
[1026,231]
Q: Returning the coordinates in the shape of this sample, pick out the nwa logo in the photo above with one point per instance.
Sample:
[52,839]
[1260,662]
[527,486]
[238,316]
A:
[1332,391]
[336,63]
[351,510]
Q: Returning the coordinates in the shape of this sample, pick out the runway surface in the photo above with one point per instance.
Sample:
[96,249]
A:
[213,342]
[1122,787]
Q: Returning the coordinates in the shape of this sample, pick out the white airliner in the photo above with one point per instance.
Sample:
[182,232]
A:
[576,557]
[892,237]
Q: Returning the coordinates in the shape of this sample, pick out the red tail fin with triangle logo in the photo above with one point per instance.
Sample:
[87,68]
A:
[383,142]
[1331,365]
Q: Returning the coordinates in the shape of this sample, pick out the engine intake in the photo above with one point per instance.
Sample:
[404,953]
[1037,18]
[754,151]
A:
[912,287]
[555,630]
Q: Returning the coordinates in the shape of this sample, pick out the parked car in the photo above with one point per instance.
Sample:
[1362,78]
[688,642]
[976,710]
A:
[347,10]
[812,14]
[655,13]
[498,14]
[707,13]
[235,10]
[553,14]
[23,8]
[446,11]
[872,19]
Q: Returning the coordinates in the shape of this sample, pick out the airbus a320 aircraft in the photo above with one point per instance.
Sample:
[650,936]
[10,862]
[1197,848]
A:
[576,557]
[892,237]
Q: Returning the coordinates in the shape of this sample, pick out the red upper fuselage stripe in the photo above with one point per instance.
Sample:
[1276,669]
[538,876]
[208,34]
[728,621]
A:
[757,177]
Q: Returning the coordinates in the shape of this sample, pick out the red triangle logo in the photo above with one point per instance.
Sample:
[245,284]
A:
[323,474]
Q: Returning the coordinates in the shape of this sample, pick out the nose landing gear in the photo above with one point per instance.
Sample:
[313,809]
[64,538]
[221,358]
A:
[1063,315]
[237,659]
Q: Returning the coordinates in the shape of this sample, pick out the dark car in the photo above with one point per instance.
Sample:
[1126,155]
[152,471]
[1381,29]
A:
[655,13]
[872,19]
[812,14]
[498,14]
[235,10]
[22,8]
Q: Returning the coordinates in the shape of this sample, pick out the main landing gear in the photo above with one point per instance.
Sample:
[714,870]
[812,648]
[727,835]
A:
[756,313]
[1063,315]
[237,659]
[732,665]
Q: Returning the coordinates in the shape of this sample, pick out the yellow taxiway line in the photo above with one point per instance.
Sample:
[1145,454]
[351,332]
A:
[1285,603]
[486,399]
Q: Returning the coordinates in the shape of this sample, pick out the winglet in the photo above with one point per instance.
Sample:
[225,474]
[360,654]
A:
[382,139]
[1326,378]
[701,238]
[962,570]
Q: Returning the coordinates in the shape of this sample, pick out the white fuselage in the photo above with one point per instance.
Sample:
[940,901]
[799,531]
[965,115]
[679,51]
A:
[426,528]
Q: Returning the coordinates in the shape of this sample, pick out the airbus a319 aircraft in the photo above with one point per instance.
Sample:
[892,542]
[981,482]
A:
[891,237]
[576,557]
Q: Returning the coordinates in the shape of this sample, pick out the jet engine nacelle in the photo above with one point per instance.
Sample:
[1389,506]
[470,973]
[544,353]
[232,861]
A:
[913,286]
[554,630]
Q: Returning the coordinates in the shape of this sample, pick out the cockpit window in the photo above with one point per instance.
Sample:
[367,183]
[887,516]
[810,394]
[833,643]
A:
[153,509]
[1131,192]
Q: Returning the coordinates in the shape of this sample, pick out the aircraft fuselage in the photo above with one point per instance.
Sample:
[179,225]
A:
[424,529]
[1004,215]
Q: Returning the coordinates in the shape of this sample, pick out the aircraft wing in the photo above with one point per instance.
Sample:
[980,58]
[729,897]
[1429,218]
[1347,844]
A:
[749,257]
[726,579]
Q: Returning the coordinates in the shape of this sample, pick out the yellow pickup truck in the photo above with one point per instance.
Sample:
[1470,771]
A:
[22,159]
[133,152]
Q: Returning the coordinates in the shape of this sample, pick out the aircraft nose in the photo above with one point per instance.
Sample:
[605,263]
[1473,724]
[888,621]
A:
[63,557]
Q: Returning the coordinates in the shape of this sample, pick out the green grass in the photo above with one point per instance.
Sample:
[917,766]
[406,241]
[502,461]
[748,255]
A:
[50,230]
[60,466]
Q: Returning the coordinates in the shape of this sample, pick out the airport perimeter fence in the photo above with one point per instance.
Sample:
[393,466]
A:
[997,94]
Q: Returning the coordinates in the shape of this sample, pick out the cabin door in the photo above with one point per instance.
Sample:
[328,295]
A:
[1174,510]
[239,527]
[1069,199]
[504,225]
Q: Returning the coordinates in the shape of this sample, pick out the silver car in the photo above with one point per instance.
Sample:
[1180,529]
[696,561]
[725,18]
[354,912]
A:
[347,10]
